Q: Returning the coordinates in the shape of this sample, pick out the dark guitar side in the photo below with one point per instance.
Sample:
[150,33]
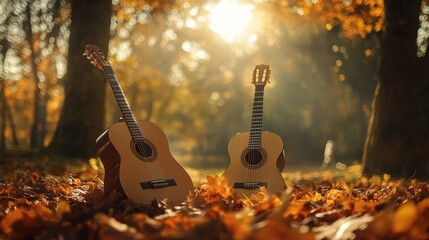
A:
[111,161]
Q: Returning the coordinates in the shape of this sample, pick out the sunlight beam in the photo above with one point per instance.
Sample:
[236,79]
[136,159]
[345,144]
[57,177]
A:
[229,19]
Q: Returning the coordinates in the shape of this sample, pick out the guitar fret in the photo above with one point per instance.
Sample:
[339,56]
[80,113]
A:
[111,75]
[108,70]
[127,114]
[257,116]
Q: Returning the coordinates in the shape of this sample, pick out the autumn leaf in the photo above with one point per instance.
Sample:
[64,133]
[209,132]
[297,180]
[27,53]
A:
[315,206]
[28,222]
[216,189]
[112,229]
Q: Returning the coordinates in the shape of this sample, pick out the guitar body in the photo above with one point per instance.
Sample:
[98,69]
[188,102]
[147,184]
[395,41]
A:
[134,169]
[266,170]
[135,155]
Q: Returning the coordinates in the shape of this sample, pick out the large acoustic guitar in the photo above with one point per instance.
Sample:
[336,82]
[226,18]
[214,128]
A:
[256,157]
[136,156]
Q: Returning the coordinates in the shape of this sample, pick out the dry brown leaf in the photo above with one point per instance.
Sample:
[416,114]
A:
[27,222]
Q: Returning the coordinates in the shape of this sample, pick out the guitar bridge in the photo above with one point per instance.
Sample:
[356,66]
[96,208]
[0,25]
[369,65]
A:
[162,183]
[250,185]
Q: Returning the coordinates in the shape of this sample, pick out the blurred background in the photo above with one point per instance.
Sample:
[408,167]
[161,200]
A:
[188,68]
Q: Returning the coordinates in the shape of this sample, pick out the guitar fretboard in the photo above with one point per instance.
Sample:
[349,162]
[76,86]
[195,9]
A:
[257,113]
[127,114]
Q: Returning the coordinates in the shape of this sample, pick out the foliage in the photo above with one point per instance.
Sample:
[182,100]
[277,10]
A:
[41,200]
[356,17]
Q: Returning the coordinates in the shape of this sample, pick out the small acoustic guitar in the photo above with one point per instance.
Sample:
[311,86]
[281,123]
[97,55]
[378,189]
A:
[136,156]
[256,157]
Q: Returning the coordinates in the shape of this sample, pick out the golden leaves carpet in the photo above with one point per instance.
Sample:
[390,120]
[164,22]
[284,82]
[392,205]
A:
[37,202]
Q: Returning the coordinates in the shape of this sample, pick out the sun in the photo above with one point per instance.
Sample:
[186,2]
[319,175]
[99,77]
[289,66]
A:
[229,19]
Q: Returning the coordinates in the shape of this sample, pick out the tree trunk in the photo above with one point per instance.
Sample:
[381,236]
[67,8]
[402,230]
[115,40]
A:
[3,116]
[82,115]
[11,123]
[5,45]
[35,139]
[398,134]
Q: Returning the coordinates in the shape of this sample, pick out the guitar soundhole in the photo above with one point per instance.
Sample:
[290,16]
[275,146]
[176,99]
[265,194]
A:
[144,149]
[253,158]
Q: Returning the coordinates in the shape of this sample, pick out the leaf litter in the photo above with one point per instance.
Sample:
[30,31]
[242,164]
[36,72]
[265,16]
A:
[37,202]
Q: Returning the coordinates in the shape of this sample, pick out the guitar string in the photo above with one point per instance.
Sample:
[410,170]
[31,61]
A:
[123,101]
[146,150]
[149,151]
[250,147]
[256,155]
[252,132]
[252,151]
[157,171]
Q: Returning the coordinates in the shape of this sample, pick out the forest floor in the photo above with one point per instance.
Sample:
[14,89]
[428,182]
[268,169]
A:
[63,199]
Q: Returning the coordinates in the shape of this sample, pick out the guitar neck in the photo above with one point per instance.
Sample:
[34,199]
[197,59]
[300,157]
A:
[127,114]
[257,114]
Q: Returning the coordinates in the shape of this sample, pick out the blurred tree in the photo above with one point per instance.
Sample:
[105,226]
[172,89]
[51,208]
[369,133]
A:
[3,116]
[31,48]
[398,133]
[82,115]
[3,107]
[39,31]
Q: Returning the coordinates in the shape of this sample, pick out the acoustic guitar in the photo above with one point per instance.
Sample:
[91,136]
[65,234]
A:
[136,156]
[256,157]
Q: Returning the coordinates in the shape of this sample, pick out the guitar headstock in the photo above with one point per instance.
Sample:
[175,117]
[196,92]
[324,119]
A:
[261,75]
[96,56]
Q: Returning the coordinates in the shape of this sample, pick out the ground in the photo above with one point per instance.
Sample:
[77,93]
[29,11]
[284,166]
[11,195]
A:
[52,198]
